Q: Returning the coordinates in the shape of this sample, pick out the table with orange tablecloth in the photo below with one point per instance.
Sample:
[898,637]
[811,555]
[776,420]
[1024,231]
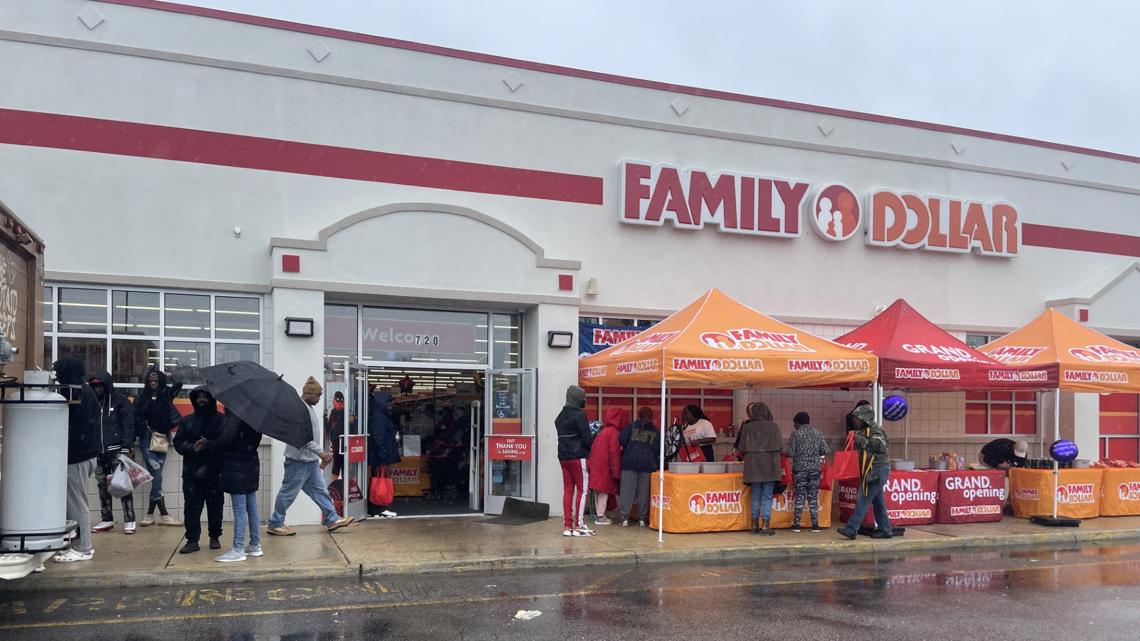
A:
[1120,491]
[701,502]
[1078,492]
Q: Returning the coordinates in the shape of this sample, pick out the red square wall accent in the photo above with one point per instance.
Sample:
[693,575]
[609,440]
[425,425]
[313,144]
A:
[1084,314]
[565,282]
[291,263]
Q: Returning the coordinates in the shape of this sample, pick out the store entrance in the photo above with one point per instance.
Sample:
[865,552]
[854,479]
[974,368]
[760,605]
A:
[438,415]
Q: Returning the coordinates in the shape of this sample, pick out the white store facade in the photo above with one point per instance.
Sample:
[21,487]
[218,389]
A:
[199,177]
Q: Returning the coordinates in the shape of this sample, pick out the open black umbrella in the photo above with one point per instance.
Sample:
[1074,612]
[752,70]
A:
[262,399]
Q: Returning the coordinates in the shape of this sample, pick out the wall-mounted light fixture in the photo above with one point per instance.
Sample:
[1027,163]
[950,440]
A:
[299,327]
[592,287]
[561,340]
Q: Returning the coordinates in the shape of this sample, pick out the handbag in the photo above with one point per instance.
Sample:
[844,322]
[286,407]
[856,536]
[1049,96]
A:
[846,463]
[159,443]
[381,491]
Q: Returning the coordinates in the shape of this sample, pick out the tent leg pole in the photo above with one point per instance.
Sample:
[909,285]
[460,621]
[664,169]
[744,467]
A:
[661,472]
[1056,436]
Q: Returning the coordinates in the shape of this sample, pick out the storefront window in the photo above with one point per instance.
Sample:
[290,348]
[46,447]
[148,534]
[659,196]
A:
[135,313]
[130,360]
[412,335]
[230,352]
[184,359]
[82,311]
[187,315]
[508,341]
[236,318]
[341,334]
[92,351]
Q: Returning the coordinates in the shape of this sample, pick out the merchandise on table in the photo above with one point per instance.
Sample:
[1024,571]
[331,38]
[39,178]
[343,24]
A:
[970,496]
[1078,492]
[911,498]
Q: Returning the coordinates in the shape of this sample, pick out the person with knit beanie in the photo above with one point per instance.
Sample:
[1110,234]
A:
[303,467]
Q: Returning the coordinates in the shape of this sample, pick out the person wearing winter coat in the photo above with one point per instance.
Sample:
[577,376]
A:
[760,442]
[640,442]
[197,442]
[574,441]
[383,449]
[154,412]
[875,469]
[83,439]
[605,462]
[806,447]
[116,436]
[241,471]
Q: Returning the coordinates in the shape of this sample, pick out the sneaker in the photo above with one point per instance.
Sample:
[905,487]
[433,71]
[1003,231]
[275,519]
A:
[643,523]
[168,520]
[880,534]
[625,522]
[231,556]
[847,532]
[39,569]
[130,527]
[281,531]
[603,520]
[73,555]
[104,526]
[815,529]
[567,532]
[147,521]
[388,514]
[583,532]
[215,544]
[339,523]
[190,547]
[254,550]
[583,528]
[796,529]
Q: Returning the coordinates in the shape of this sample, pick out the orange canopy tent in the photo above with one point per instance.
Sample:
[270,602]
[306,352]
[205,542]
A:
[1085,360]
[717,341]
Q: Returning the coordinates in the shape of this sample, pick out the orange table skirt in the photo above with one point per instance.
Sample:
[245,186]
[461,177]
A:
[1120,492]
[720,503]
[1078,492]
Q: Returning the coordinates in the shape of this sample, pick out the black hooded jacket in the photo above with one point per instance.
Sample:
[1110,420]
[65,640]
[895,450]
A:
[83,436]
[241,469]
[154,409]
[116,417]
[206,422]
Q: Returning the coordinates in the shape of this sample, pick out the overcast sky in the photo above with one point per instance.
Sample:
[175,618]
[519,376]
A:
[1046,69]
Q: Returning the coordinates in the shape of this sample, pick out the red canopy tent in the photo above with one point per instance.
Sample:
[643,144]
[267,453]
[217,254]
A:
[915,354]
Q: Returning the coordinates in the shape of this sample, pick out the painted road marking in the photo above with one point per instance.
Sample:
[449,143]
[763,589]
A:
[13,607]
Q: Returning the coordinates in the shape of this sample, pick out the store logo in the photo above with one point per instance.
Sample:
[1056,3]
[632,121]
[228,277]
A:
[644,342]
[708,503]
[1038,375]
[405,475]
[718,365]
[738,203]
[605,336]
[917,373]
[1086,376]
[656,501]
[975,510]
[1027,494]
[1075,493]
[1105,354]
[593,372]
[1129,491]
[833,365]
[836,215]
[638,367]
[754,340]
[1013,355]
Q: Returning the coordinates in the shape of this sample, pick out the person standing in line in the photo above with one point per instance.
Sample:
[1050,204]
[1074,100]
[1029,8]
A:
[82,450]
[155,414]
[303,467]
[574,441]
[334,433]
[639,460]
[699,430]
[117,436]
[875,469]
[605,462]
[383,449]
[197,442]
[806,447]
[241,471]
[759,441]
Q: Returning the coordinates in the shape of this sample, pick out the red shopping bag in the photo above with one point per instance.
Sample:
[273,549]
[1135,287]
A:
[691,454]
[381,492]
[786,470]
[846,463]
[827,476]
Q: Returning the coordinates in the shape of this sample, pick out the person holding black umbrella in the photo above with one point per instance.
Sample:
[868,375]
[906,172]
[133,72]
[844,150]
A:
[303,473]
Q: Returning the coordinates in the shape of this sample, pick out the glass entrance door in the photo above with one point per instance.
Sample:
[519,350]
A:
[354,443]
[508,441]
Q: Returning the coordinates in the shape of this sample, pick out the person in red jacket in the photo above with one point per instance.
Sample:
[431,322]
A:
[605,462]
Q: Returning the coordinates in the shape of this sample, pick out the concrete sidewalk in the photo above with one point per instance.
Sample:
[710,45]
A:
[406,546]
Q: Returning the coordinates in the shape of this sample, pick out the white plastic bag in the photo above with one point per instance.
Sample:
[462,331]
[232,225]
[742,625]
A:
[138,473]
[120,484]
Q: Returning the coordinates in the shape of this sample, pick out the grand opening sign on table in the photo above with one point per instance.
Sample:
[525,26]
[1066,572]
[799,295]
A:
[719,342]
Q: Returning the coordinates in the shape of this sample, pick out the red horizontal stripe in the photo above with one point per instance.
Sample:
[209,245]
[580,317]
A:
[1079,240]
[140,140]
[340,34]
